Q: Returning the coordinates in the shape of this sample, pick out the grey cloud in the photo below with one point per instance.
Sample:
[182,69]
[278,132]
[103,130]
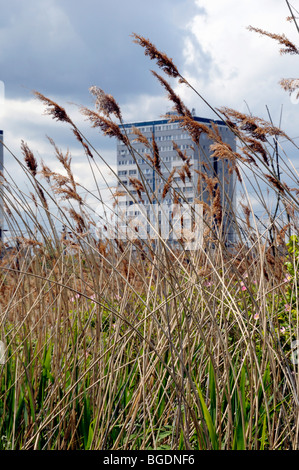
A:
[62,47]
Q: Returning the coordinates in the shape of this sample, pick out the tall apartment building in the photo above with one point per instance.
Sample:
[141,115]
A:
[1,202]
[167,133]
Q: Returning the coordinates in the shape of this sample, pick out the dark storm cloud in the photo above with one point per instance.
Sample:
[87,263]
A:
[63,47]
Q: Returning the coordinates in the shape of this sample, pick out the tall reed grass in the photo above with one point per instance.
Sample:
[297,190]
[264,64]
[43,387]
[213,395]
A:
[125,346]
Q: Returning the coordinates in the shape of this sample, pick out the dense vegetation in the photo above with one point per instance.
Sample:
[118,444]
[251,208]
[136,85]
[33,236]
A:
[128,346]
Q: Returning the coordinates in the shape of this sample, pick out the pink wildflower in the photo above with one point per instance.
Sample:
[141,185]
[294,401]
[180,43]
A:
[243,287]
[287,307]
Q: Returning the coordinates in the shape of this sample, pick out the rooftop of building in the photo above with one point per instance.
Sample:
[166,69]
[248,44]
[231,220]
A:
[166,121]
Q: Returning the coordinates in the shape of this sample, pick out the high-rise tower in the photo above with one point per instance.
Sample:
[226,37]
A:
[170,138]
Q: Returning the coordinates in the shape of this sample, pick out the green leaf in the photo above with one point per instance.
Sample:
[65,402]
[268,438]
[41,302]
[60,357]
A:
[263,438]
[208,420]
[212,389]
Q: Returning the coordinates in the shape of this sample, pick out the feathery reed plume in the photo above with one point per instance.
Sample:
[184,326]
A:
[182,155]
[29,158]
[179,106]
[186,168]
[33,199]
[277,184]
[206,207]
[176,198]
[7,209]
[118,194]
[78,219]
[107,126]
[194,128]
[289,48]
[140,137]
[296,190]
[163,61]
[65,160]
[46,172]
[211,183]
[105,103]
[68,193]
[60,180]
[168,183]
[290,84]
[256,127]
[257,147]
[138,186]
[182,175]
[28,242]
[156,156]
[2,177]
[53,109]
[247,213]
[216,207]
[222,150]
[42,197]
[280,239]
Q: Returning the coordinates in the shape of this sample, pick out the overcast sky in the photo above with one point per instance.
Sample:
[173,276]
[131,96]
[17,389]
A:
[62,47]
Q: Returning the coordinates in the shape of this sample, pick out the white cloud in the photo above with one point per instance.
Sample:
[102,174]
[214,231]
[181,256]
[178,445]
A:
[229,65]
